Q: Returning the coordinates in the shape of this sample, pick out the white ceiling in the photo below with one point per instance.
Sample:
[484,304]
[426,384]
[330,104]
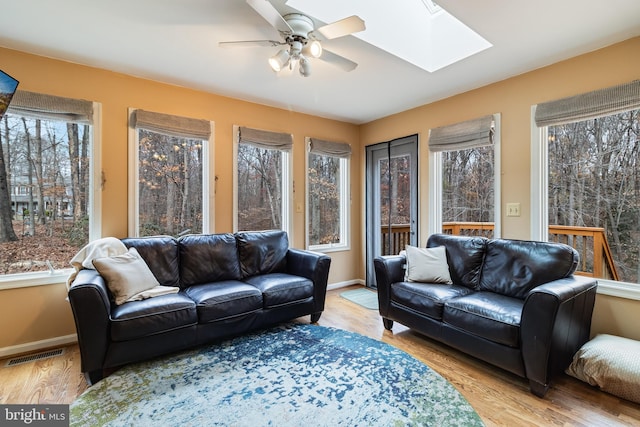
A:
[176,41]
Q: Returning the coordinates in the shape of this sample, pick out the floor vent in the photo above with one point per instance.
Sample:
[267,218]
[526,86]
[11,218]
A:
[33,357]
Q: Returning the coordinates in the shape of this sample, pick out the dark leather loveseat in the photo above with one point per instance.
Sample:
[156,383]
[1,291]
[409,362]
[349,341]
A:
[229,284]
[514,304]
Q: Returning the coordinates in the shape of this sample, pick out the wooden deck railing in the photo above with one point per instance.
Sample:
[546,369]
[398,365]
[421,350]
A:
[483,229]
[400,237]
[596,259]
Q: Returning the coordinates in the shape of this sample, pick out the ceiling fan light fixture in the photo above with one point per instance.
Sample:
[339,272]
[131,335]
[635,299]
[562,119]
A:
[278,61]
[305,66]
[313,48]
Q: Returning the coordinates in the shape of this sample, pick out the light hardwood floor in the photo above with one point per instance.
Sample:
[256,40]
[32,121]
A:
[501,399]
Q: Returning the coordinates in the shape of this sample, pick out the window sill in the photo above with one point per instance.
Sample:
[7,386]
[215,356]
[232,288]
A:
[40,278]
[619,289]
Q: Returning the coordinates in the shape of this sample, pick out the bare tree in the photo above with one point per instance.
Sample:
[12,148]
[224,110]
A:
[37,163]
[74,158]
[7,234]
[31,224]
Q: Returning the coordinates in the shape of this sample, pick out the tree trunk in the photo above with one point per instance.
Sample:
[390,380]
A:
[84,172]
[37,162]
[31,224]
[171,194]
[7,234]
[74,158]
[185,189]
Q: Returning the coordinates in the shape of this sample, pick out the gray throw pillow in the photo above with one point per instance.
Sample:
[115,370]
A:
[126,275]
[427,265]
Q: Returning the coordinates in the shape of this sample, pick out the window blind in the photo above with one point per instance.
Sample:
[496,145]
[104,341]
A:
[329,148]
[51,107]
[463,135]
[266,139]
[590,105]
[169,124]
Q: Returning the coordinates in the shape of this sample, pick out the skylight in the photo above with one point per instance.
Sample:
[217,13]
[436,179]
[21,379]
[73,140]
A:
[417,31]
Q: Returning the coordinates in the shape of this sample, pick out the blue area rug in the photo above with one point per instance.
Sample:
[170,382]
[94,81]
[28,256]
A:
[292,375]
[364,297]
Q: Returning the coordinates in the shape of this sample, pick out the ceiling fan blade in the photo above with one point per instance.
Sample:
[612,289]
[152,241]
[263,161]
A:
[270,14]
[337,60]
[251,43]
[343,27]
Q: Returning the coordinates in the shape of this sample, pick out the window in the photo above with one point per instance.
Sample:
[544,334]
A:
[50,209]
[464,177]
[585,157]
[170,166]
[468,185]
[263,186]
[327,195]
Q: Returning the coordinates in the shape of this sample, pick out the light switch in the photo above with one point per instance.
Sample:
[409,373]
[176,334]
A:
[513,209]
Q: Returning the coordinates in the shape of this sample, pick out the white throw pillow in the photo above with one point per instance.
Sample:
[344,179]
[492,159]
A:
[611,363]
[427,265]
[127,275]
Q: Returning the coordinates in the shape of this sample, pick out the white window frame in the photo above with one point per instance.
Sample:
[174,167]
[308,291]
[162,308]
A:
[208,197]
[287,183]
[56,276]
[345,202]
[434,223]
[540,206]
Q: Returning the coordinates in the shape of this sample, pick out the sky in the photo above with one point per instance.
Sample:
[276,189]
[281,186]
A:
[7,83]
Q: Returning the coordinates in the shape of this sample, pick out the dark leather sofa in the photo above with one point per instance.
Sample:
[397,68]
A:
[515,304]
[229,284]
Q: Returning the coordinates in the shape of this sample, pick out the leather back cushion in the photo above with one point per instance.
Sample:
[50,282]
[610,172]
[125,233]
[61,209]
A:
[464,256]
[262,252]
[206,258]
[161,255]
[514,267]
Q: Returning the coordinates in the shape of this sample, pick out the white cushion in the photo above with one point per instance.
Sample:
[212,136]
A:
[611,363]
[427,265]
[127,276]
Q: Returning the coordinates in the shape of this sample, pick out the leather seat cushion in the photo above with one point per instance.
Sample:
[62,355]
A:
[225,299]
[281,288]
[151,316]
[426,298]
[488,315]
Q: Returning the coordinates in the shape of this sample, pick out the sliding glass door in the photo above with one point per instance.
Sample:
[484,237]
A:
[391,199]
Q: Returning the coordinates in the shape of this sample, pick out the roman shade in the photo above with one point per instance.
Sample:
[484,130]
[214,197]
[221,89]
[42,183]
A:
[51,107]
[329,148]
[463,135]
[590,105]
[168,124]
[265,139]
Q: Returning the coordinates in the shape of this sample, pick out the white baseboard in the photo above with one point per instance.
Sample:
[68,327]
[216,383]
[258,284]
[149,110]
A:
[37,345]
[344,284]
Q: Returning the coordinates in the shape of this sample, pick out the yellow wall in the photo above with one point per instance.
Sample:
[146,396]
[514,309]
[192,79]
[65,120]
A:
[513,98]
[42,312]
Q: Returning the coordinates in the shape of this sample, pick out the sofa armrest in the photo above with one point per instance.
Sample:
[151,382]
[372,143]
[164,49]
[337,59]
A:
[555,323]
[389,269]
[91,308]
[315,267]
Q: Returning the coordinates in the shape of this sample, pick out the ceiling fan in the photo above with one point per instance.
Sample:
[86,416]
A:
[300,40]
